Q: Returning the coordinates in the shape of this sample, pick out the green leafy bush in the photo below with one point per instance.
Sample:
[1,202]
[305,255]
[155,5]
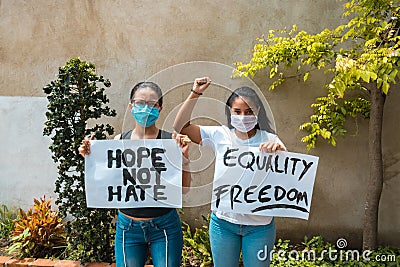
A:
[39,232]
[315,252]
[312,252]
[76,97]
[7,217]
[196,246]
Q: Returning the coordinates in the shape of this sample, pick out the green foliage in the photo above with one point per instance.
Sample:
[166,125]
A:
[7,217]
[308,253]
[316,252]
[329,116]
[363,51]
[312,252]
[39,232]
[196,246]
[76,97]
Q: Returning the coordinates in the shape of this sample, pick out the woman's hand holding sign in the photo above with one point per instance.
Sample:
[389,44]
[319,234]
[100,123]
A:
[183,141]
[84,148]
[271,147]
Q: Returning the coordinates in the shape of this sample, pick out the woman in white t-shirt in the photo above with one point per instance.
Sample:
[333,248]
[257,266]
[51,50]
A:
[232,233]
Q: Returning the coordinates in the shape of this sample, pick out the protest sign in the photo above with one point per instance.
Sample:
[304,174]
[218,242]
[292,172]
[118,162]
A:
[133,174]
[252,182]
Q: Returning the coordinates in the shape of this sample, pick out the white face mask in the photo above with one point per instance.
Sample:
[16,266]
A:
[244,123]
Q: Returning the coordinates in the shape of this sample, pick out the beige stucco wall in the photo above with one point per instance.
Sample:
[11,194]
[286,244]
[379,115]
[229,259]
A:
[130,41]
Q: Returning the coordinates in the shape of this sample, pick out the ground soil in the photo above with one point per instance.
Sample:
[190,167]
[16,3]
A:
[3,247]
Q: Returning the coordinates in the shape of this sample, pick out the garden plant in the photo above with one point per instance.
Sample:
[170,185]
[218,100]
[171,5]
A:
[76,97]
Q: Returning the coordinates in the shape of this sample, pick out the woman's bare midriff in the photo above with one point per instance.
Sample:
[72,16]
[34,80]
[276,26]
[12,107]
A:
[137,218]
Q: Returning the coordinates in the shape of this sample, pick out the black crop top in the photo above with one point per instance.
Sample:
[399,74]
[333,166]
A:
[150,212]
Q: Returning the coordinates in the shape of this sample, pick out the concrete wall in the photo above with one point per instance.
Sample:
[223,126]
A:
[27,170]
[130,41]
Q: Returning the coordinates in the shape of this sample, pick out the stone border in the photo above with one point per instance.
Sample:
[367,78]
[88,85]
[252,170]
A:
[33,262]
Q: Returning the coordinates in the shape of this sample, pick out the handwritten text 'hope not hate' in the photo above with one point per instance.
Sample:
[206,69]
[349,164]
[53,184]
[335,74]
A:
[138,181]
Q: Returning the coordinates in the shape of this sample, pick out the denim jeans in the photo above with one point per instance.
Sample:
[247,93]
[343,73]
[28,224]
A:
[164,234]
[228,239]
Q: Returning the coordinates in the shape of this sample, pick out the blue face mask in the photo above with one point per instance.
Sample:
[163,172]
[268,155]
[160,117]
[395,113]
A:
[144,115]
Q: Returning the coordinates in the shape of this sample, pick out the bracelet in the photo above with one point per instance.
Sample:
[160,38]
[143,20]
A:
[197,93]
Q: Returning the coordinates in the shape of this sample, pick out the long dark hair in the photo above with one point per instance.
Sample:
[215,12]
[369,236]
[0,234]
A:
[151,85]
[246,92]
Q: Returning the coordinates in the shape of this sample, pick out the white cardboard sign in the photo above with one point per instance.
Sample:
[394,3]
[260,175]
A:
[252,182]
[133,174]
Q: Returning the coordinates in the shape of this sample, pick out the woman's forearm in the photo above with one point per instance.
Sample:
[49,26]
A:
[182,119]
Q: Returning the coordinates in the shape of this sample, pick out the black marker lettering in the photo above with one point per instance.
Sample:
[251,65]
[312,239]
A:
[128,157]
[276,164]
[226,157]
[280,206]
[130,191]
[143,187]
[111,158]
[306,168]
[269,164]
[144,172]
[286,164]
[247,193]
[260,167]
[158,174]
[293,192]
[263,192]
[131,177]
[219,191]
[295,160]
[233,196]
[142,152]
[111,193]
[249,164]
[157,195]
[302,197]
[155,160]
[282,195]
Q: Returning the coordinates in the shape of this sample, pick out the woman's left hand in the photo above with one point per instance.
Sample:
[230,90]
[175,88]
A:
[183,141]
[271,147]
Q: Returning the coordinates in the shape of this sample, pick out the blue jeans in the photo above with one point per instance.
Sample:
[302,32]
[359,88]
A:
[164,234]
[228,239]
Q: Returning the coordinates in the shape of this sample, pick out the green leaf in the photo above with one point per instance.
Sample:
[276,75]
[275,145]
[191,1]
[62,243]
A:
[385,87]
[393,74]
[306,75]
[373,75]
[365,76]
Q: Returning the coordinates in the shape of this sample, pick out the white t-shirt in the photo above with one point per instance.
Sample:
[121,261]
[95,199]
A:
[216,135]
